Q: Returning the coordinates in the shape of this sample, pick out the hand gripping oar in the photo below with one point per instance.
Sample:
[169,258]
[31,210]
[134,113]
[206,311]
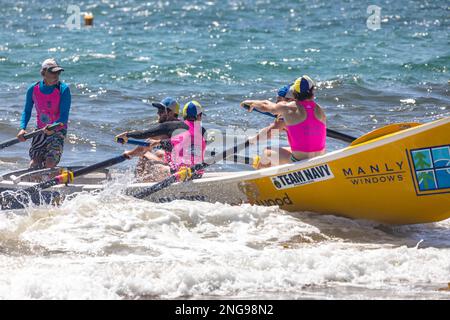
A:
[330,133]
[188,173]
[30,135]
[65,177]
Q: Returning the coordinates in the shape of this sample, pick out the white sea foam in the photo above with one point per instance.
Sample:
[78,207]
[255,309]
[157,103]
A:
[110,246]
[408,101]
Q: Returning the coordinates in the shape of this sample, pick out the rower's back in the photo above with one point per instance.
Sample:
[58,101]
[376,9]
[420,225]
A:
[305,122]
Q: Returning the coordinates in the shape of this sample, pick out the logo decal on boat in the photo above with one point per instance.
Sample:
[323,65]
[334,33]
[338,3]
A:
[374,173]
[301,177]
[282,201]
[182,197]
[431,168]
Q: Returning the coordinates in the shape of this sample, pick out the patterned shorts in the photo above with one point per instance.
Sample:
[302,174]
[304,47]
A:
[47,148]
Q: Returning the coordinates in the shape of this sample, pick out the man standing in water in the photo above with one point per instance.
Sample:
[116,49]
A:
[52,100]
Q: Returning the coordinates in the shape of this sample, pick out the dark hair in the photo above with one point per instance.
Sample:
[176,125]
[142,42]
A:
[191,118]
[188,118]
[304,95]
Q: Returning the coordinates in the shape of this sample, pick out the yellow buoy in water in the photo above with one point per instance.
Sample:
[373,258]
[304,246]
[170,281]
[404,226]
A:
[88,19]
[445,289]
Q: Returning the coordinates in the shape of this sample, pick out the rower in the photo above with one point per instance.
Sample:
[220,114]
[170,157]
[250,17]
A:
[52,100]
[186,147]
[305,123]
[151,166]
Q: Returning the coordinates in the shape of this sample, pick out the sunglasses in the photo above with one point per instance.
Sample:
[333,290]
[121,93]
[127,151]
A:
[163,110]
[56,72]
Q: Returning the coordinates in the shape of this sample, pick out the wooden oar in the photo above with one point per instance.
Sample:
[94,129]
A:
[64,177]
[189,173]
[30,135]
[330,133]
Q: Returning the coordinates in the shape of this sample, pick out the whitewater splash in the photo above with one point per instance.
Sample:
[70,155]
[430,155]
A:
[110,246]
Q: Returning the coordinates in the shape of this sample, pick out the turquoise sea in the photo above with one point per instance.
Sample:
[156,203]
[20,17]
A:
[219,53]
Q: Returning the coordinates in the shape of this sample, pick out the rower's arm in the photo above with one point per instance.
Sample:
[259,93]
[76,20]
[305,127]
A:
[320,114]
[141,150]
[267,106]
[28,108]
[160,130]
[66,101]
[266,133]
[136,152]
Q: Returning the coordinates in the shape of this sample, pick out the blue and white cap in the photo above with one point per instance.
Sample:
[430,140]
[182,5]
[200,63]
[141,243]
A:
[286,92]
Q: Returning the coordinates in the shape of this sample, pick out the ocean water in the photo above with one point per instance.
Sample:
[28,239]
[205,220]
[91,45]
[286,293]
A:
[219,53]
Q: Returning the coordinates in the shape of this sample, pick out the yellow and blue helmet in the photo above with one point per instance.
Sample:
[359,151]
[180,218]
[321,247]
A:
[303,84]
[192,109]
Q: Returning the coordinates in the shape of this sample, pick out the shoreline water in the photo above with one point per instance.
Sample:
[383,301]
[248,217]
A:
[219,53]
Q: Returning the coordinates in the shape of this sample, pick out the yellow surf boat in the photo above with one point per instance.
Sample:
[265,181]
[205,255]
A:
[398,174]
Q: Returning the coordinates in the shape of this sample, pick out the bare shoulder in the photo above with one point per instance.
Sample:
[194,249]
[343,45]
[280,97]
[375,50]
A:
[287,107]
[320,113]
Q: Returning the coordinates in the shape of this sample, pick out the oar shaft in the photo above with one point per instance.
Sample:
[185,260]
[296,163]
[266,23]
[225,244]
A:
[9,143]
[27,136]
[156,187]
[330,133]
[99,165]
[340,136]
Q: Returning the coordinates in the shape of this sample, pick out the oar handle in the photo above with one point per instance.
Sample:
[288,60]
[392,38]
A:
[134,142]
[330,133]
[30,135]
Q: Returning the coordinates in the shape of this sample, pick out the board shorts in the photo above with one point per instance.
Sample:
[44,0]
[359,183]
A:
[47,148]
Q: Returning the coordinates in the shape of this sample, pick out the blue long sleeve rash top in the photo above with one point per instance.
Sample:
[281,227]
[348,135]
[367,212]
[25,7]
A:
[66,100]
